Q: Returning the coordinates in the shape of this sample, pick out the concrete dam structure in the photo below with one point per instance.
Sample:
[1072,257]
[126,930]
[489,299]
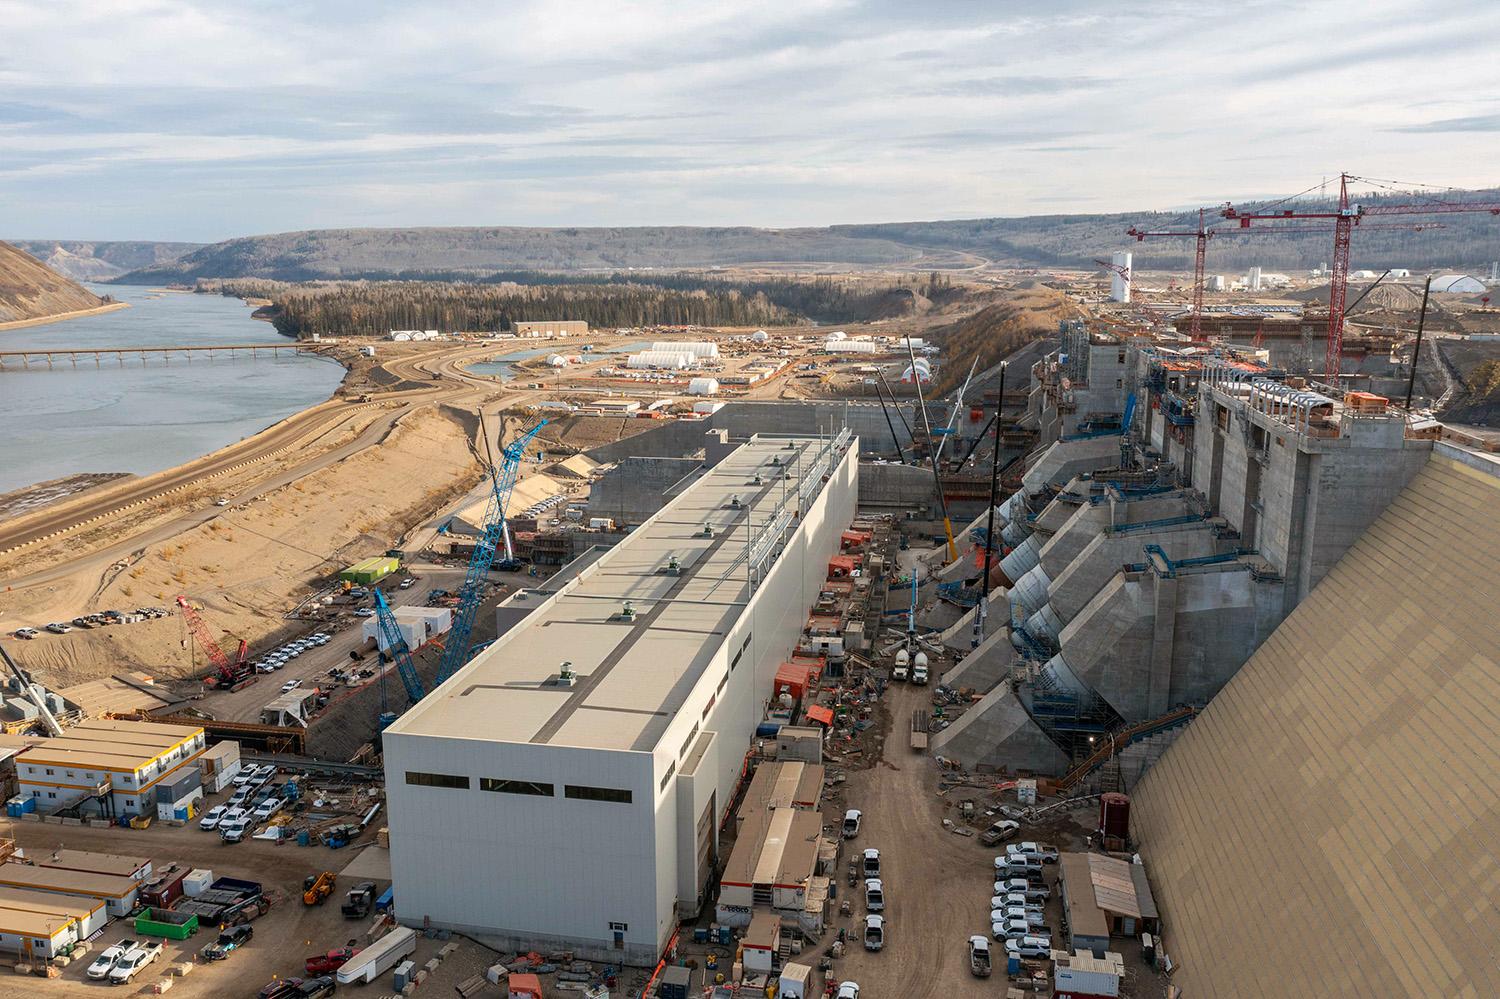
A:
[1152,549]
[1352,761]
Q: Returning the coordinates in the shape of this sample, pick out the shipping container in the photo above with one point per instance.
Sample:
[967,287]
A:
[165,888]
[370,570]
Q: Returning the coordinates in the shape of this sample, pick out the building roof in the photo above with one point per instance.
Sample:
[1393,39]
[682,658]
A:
[90,863]
[1085,919]
[777,847]
[77,906]
[73,882]
[631,676]
[106,744]
[785,784]
[1327,825]
[33,923]
[1116,887]
[762,931]
[123,693]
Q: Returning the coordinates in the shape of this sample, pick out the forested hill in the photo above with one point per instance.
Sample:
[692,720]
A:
[1459,242]
[28,290]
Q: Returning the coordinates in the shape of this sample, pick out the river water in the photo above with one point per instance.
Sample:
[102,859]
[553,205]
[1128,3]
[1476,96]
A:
[144,418]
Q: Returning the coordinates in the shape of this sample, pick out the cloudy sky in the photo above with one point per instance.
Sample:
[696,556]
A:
[204,120]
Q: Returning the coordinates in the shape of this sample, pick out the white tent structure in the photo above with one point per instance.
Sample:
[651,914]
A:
[1457,284]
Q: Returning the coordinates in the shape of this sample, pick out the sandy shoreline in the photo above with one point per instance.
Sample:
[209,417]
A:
[18,324]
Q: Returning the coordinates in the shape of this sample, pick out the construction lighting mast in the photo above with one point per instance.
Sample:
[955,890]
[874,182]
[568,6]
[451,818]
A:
[1345,217]
[502,481]
[1202,235]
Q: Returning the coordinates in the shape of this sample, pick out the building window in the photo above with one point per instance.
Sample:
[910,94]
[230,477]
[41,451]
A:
[437,780]
[580,792]
[710,705]
[671,769]
[688,742]
[49,771]
[51,794]
[129,802]
[516,787]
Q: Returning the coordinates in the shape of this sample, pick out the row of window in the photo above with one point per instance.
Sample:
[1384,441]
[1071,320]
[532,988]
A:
[578,792]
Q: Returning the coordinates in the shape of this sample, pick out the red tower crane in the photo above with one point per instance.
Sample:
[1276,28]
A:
[1202,235]
[228,675]
[1345,217]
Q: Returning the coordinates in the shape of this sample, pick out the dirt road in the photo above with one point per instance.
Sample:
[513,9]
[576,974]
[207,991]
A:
[937,884]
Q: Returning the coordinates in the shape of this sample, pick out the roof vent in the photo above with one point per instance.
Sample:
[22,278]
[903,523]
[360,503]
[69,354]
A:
[628,611]
[565,674]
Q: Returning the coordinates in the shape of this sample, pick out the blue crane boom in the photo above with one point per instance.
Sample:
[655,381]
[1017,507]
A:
[396,646]
[491,536]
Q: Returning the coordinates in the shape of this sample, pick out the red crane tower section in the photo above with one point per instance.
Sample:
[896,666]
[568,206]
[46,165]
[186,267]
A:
[1345,218]
[229,675]
[1202,235]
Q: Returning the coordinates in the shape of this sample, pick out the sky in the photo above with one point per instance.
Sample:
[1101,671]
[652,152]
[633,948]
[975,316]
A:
[201,121]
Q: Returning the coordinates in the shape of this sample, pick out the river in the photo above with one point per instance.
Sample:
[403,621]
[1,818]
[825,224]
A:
[144,418]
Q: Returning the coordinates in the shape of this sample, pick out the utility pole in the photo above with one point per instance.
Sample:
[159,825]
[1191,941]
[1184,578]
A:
[989,537]
[1411,379]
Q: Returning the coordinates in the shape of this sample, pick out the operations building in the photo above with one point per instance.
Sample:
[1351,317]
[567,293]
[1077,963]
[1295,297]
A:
[551,327]
[550,804]
[112,768]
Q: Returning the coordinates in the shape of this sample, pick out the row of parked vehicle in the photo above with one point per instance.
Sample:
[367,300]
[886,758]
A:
[273,661]
[1018,902]
[122,962]
[87,621]
[253,802]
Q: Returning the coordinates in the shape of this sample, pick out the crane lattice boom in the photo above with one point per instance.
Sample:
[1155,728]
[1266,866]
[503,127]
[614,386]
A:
[491,536]
[396,645]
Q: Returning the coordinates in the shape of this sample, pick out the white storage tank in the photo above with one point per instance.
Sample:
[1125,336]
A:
[703,386]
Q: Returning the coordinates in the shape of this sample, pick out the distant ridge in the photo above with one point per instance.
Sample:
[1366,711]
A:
[1467,242]
[30,290]
[95,260]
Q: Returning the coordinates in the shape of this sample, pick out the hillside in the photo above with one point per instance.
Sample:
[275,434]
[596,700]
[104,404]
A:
[459,253]
[29,290]
[84,260]
[1463,242]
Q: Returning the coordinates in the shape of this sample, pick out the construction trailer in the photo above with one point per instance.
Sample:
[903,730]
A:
[603,778]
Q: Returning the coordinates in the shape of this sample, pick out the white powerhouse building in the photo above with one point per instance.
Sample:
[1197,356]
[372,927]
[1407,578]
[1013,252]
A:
[540,812]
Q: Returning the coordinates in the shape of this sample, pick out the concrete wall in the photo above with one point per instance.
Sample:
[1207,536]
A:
[678,438]
[637,487]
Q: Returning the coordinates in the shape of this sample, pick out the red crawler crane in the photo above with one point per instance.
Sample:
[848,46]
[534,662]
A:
[228,675]
[1345,218]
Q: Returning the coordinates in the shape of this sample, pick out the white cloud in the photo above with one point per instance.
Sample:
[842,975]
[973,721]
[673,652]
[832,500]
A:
[203,120]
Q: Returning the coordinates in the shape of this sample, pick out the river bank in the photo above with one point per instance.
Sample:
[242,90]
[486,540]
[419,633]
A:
[20,324]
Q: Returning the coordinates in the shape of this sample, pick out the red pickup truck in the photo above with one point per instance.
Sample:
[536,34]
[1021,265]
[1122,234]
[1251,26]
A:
[327,964]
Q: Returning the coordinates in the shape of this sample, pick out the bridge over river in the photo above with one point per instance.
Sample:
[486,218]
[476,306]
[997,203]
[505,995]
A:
[52,357]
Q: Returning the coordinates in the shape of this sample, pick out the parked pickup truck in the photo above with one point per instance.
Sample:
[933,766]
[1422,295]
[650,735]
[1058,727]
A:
[979,957]
[358,902]
[133,961]
[1000,831]
[327,964]
[1045,852]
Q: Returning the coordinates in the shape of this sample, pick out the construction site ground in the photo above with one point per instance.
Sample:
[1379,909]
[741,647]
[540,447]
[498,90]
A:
[284,936]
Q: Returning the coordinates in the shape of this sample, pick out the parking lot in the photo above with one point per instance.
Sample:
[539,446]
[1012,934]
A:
[937,884]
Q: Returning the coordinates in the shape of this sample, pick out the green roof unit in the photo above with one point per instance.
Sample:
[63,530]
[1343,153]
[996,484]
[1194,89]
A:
[370,570]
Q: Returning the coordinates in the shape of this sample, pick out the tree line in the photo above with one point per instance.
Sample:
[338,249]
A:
[498,302]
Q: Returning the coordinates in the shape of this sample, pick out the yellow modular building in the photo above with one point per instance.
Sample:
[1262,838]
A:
[1328,826]
[109,767]
[40,934]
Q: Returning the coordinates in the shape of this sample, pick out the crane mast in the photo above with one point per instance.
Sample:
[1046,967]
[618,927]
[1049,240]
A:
[491,536]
